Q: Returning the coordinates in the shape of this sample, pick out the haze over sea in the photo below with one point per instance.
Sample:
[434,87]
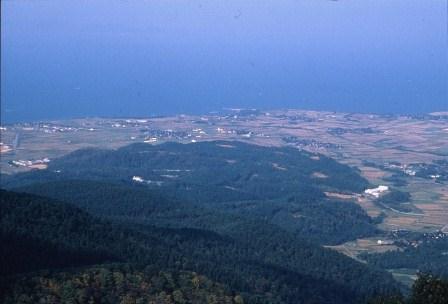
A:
[65,59]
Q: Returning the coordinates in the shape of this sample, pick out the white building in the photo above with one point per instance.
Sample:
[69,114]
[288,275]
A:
[376,192]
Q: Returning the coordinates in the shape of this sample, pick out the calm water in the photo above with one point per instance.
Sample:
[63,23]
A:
[137,58]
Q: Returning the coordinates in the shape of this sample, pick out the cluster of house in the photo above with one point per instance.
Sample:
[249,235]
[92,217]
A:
[33,164]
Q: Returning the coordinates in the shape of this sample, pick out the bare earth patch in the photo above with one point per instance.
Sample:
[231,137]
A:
[339,196]
[278,167]
[319,175]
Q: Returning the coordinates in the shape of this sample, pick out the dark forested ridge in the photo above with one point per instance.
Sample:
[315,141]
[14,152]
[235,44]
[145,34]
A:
[311,274]
[251,220]
[284,186]
[324,221]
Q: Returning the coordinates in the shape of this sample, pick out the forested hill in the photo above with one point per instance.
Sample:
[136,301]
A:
[321,221]
[284,186]
[215,171]
[259,278]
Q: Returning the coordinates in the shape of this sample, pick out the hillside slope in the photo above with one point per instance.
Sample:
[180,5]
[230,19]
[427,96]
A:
[282,185]
[238,264]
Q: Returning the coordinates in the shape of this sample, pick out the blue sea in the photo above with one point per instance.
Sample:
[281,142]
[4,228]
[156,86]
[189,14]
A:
[64,59]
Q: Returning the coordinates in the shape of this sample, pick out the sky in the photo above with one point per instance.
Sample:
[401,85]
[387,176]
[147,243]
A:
[65,58]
